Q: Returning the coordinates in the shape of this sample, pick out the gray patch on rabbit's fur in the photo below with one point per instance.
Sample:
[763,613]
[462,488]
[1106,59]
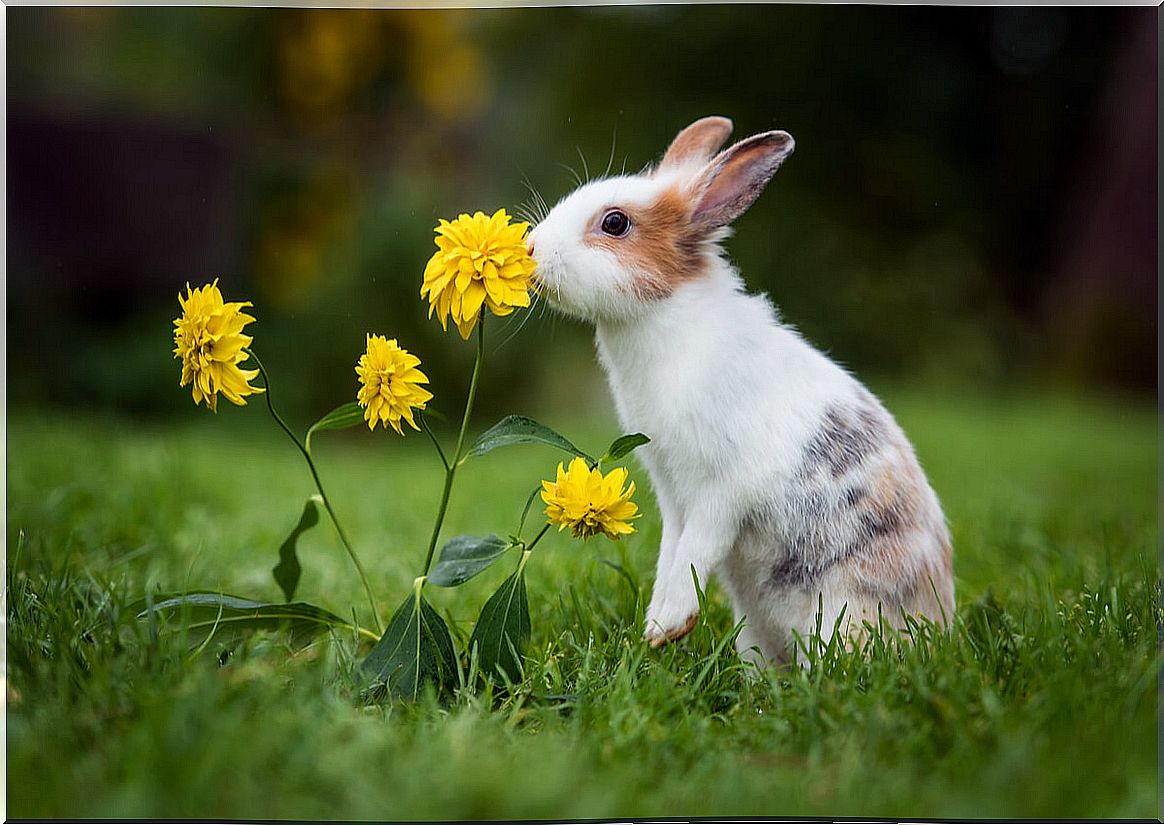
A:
[846,438]
[827,523]
[801,571]
[881,522]
[855,495]
[805,551]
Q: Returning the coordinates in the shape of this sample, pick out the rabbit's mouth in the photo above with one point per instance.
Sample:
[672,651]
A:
[553,281]
[545,282]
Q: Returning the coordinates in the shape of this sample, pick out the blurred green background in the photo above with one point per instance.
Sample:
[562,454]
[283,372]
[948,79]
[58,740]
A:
[972,200]
[968,221]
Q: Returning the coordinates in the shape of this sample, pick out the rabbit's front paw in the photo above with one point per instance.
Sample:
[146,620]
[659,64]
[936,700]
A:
[669,622]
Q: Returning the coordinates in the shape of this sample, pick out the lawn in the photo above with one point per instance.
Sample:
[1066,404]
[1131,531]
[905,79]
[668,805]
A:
[1042,702]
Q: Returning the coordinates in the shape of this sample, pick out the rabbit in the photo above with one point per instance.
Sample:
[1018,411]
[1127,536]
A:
[774,468]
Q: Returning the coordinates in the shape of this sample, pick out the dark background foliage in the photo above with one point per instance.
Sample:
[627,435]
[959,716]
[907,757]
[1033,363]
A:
[972,199]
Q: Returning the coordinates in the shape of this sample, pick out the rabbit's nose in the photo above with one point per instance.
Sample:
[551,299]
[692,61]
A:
[529,249]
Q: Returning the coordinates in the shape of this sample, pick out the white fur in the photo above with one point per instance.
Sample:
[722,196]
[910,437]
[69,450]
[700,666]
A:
[730,397]
[598,281]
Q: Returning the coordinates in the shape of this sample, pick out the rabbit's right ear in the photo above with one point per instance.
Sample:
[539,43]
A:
[735,178]
[698,142]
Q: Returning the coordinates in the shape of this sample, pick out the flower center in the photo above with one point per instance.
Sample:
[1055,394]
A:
[197,343]
[387,377]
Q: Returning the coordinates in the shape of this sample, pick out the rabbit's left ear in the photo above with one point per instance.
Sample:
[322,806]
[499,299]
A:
[698,142]
[734,178]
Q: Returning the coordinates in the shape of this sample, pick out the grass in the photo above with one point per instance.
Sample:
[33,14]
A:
[1041,703]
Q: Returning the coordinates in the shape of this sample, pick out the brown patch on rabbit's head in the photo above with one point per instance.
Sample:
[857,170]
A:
[670,237]
[661,247]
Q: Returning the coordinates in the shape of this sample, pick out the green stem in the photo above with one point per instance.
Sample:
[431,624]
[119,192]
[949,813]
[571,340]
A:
[323,495]
[435,443]
[362,631]
[451,467]
[537,538]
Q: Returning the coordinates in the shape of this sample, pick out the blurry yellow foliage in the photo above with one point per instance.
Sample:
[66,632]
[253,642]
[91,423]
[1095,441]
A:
[326,63]
[323,56]
[326,57]
[445,68]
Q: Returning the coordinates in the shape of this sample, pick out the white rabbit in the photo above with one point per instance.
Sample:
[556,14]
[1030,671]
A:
[774,468]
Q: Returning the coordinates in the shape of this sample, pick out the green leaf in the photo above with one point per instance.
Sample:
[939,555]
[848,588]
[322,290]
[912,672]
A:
[528,503]
[503,628]
[517,429]
[433,412]
[341,418]
[287,571]
[202,615]
[466,556]
[416,648]
[623,446]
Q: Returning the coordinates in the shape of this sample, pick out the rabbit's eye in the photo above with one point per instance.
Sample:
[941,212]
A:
[615,223]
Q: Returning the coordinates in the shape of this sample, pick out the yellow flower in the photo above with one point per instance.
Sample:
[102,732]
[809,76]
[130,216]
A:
[588,503]
[390,381]
[209,339]
[480,261]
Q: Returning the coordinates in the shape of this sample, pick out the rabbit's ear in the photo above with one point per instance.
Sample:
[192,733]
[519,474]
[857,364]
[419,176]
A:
[697,143]
[732,181]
